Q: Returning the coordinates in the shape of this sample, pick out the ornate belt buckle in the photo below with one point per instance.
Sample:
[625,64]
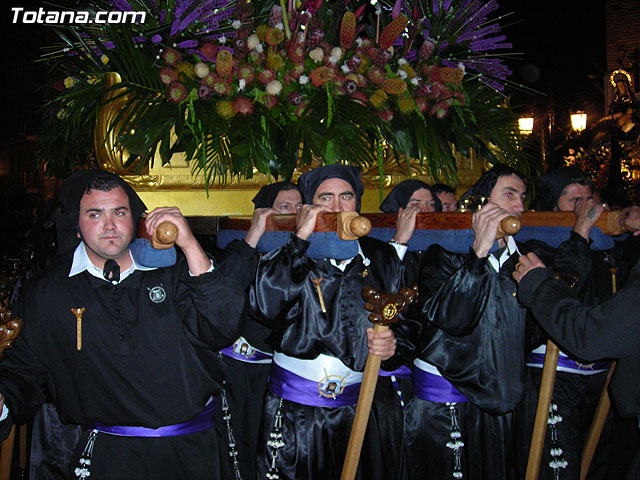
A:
[331,386]
[243,348]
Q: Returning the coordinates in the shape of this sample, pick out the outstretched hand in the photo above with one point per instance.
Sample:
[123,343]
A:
[525,264]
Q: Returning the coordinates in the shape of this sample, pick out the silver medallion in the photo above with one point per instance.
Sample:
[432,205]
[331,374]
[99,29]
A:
[157,294]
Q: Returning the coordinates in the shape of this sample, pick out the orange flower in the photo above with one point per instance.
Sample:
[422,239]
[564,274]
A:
[347,30]
[406,104]
[321,75]
[224,63]
[394,86]
[392,31]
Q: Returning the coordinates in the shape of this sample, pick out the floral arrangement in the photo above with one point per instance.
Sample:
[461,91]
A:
[238,85]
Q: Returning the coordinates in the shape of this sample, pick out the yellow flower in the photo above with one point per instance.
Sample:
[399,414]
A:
[378,98]
[70,82]
[225,109]
[261,31]
[104,59]
[411,73]
[406,104]
[185,68]
[275,62]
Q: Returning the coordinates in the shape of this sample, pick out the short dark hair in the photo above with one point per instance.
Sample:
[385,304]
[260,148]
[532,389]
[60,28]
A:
[584,179]
[103,183]
[442,188]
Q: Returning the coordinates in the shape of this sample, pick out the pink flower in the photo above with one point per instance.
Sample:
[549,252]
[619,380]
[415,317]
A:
[243,106]
[171,57]
[440,109]
[386,115]
[177,92]
[209,50]
[270,101]
[426,49]
[246,72]
[220,87]
[204,92]
[167,75]
[376,76]
[265,76]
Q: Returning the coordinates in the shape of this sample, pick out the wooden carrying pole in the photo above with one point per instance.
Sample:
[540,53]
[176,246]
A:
[361,418]
[384,308]
[542,411]
[328,222]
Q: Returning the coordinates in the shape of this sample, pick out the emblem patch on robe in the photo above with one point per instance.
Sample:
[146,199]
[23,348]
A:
[241,347]
[331,386]
[157,294]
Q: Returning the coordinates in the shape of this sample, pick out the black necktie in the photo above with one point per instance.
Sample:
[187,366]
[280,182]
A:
[111,271]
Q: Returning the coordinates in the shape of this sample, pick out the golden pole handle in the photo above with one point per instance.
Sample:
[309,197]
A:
[164,236]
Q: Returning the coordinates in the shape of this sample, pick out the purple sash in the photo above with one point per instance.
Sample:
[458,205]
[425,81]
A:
[434,388]
[295,388]
[204,421]
[537,360]
[256,356]
[402,372]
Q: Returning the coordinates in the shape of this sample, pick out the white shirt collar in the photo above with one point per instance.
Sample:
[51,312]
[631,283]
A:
[82,262]
[342,264]
[512,248]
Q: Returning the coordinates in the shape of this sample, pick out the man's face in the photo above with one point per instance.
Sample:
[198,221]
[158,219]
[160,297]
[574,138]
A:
[571,194]
[106,225]
[509,193]
[449,202]
[288,201]
[422,200]
[337,194]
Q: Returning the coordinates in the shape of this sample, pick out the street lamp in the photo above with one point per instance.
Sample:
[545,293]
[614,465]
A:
[525,125]
[579,121]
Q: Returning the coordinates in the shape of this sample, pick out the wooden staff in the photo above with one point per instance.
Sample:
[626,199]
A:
[163,237]
[384,310]
[542,411]
[604,404]
[608,222]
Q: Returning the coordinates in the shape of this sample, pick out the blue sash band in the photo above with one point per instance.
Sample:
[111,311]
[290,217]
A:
[294,388]
[434,388]
[204,421]
[566,364]
[402,372]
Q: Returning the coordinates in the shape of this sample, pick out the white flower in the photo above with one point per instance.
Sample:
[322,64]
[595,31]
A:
[359,41]
[462,67]
[274,87]
[415,81]
[317,54]
[333,60]
[259,48]
[402,61]
[279,26]
[402,74]
[241,84]
[236,24]
[303,80]
[222,39]
[201,69]
[345,68]
[253,41]
[336,52]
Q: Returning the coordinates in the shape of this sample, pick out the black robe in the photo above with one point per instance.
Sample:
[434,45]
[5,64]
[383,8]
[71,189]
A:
[473,332]
[316,437]
[142,363]
[245,383]
[587,332]
[575,397]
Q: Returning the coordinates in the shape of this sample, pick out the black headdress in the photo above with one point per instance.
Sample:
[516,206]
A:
[267,194]
[484,185]
[550,186]
[311,180]
[401,194]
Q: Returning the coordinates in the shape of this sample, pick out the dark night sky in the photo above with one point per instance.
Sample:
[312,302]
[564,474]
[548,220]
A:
[562,44]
